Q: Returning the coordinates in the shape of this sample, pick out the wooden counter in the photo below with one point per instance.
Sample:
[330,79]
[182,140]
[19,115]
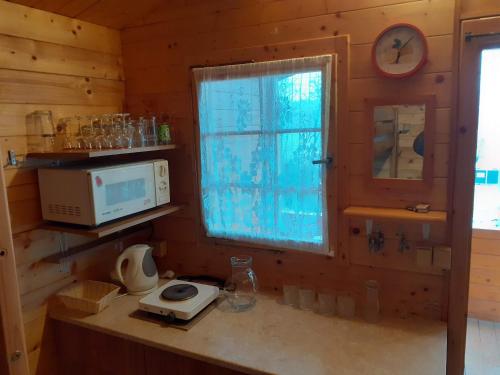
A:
[278,339]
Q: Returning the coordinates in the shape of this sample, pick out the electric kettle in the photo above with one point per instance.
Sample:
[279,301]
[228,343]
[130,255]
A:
[140,275]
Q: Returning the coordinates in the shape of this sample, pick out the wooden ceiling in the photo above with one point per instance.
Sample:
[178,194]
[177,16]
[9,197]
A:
[117,14]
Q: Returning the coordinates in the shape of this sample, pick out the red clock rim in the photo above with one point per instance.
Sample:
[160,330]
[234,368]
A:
[421,63]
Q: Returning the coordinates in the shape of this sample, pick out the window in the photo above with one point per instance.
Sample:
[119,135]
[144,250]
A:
[487,184]
[260,127]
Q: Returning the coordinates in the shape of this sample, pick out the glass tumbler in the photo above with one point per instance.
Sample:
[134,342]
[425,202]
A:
[372,304]
[291,295]
[241,288]
[326,303]
[307,297]
[346,306]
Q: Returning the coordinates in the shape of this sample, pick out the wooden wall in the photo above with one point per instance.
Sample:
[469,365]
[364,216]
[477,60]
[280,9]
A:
[484,287]
[156,60]
[479,8]
[50,62]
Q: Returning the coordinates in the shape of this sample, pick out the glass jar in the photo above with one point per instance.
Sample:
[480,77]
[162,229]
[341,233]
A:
[242,286]
[372,305]
[40,131]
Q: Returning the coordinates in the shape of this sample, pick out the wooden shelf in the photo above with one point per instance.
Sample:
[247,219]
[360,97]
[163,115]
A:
[114,226]
[396,214]
[91,154]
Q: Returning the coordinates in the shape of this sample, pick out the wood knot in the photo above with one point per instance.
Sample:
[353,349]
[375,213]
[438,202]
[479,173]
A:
[33,57]
[74,32]
[279,262]
[338,14]
[89,91]
[439,78]
[323,28]
[335,33]
[79,27]
[87,79]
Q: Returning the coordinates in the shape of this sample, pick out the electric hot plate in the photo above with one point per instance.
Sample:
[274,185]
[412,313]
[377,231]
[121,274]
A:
[179,292]
[180,299]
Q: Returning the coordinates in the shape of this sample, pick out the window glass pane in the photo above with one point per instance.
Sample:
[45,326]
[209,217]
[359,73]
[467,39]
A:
[125,191]
[487,184]
[259,134]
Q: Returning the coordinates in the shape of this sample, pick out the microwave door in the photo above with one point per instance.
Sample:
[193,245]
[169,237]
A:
[122,191]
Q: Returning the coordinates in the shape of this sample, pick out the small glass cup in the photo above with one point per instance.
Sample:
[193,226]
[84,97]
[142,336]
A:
[346,306]
[326,303]
[372,304]
[307,298]
[291,295]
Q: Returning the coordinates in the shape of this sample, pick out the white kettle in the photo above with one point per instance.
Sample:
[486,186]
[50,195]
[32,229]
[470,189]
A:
[140,276]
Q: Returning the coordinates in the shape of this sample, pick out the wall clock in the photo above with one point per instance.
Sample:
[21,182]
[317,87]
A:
[399,51]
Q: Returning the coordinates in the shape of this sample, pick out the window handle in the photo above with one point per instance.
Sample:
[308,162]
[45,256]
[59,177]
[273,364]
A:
[328,160]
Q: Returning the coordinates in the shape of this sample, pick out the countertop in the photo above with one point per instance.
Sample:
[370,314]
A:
[276,339]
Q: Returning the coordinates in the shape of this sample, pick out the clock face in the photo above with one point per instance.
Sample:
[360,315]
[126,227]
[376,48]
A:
[399,51]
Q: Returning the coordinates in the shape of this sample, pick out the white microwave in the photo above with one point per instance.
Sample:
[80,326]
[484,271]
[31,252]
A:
[95,195]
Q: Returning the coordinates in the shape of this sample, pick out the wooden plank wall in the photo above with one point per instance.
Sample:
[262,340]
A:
[156,66]
[479,8]
[484,287]
[50,62]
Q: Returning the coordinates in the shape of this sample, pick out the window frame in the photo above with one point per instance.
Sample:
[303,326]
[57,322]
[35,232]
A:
[332,191]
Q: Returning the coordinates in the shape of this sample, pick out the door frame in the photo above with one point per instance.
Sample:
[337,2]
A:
[13,355]
[481,34]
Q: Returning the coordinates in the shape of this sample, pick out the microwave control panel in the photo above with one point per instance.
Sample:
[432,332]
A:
[162,182]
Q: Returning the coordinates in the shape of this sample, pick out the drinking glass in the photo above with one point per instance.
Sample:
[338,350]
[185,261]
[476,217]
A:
[127,131]
[150,131]
[326,303]
[140,132]
[87,132]
[307,297]
[346,306]
[116,131]
[372,304]
[107,130]
[291,295]
[64,127]
[99,135]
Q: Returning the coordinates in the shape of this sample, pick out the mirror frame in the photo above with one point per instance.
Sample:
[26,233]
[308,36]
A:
[429,138]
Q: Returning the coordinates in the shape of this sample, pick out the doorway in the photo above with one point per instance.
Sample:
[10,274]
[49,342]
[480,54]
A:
[478,148]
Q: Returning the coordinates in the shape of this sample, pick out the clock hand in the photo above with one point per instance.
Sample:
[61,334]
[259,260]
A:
[408,41]
[398,57]
[400,48]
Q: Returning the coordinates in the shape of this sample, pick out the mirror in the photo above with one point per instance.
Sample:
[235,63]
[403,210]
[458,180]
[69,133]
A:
[398,143]
[401,138]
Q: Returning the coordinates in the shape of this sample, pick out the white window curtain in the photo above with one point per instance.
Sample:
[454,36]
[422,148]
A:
[260,127]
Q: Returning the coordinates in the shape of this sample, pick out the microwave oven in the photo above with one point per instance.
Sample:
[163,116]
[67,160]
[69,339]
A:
[95,195]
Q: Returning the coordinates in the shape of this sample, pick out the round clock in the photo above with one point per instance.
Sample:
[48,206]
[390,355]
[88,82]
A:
[399,51]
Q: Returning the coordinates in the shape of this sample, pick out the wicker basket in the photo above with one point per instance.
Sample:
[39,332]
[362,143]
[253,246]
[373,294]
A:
[88,296]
